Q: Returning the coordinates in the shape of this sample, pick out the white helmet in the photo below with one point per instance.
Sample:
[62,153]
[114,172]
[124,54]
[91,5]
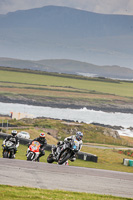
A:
[14,133]
[79,135]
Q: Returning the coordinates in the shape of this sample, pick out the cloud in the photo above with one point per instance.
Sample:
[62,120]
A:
[99,6]
[13,5]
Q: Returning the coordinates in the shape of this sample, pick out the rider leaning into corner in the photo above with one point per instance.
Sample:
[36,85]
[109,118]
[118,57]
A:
[13,138]
[78,137]
[43,142]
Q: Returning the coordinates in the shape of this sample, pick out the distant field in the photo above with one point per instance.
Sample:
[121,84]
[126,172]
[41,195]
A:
[44,88]
[124,89]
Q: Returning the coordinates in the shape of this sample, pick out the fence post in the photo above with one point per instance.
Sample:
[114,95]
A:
[7,125]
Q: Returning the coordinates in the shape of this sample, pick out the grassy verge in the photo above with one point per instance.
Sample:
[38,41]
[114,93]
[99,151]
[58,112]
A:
[15,193]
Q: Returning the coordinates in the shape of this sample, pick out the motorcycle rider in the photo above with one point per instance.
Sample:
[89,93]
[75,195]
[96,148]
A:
[43,142]
[13,138]
[78,137]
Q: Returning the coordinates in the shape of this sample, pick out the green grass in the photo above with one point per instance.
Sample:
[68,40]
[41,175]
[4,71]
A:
[120,88]
[25,193]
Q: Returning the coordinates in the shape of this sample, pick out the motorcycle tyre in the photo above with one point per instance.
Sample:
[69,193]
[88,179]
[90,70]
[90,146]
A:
[60,162]
[29,157]
[11,154]
[50,158]
[5,154]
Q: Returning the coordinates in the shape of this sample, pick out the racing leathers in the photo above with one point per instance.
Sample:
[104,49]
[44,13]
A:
[73,137]
[43,144]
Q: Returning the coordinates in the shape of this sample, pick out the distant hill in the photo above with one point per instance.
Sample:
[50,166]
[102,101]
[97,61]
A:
[54,32]
[69,67]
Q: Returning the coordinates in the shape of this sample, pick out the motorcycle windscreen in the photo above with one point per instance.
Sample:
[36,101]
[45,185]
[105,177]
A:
[76,145]
[35,146]
[9,143]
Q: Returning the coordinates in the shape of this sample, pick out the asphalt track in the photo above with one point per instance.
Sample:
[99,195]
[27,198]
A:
[68,178]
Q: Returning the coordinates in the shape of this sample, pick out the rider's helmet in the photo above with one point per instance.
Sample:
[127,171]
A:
[79,135]
[14,132]
[42,136]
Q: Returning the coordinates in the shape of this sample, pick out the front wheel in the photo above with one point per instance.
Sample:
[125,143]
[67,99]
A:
[5,154]
[50,158]
[30,156]
[64,156]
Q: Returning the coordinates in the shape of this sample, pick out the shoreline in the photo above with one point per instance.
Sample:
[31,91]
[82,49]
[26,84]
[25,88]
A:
[103,108]
[114,127]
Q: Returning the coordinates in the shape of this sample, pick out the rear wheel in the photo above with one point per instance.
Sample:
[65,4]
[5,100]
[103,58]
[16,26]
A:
[64,156]
[11,154]
[50,158]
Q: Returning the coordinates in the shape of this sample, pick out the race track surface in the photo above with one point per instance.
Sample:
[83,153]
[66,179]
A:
[53,176]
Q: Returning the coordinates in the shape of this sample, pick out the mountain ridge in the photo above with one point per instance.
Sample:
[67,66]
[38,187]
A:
[69,67]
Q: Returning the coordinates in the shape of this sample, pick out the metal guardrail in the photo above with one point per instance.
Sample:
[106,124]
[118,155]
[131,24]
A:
[80,155]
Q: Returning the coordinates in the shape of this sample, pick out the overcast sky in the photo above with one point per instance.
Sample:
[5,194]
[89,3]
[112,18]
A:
[99,6]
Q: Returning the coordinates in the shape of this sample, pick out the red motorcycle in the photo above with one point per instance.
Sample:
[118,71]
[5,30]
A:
[33,151]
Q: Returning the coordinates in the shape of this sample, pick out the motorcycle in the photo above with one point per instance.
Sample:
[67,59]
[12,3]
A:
[67,152]
[8,149]
[33,151]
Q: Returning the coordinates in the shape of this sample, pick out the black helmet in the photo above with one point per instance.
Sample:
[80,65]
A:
[42,136]
[14,133]
[79,135]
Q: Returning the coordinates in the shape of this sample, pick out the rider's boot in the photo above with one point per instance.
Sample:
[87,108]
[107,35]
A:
[38,159]
[73,158]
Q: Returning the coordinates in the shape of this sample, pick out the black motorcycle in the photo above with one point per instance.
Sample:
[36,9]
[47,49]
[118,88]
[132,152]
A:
[67,151]
[8,149]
